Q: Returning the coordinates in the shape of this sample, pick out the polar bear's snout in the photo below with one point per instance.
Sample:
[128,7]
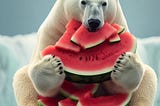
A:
[93,24]
[93,14]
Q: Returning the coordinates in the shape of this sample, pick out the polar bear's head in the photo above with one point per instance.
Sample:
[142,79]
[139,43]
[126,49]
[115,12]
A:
[92,13]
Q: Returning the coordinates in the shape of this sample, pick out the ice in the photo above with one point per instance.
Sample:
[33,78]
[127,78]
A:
[14,53]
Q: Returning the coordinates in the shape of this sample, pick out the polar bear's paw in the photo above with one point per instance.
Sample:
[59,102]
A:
[128,72]
[47,75]
[53,65]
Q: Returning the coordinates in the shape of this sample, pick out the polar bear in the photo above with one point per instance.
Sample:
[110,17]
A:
[44,76]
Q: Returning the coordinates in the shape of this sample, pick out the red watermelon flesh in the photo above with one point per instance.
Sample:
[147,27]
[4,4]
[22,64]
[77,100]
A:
[72,91]
[73,32]
[113,100]
[115,37]
[88,100]
[67,102]
[65,41]
[95,61]
[73,25]
[48,101]
[87,39]
[119,28]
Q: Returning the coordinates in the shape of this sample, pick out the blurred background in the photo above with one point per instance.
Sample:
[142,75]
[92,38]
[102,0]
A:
[20,19]
[25,16]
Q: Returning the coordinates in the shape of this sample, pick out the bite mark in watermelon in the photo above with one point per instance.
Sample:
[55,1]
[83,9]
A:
[87,39]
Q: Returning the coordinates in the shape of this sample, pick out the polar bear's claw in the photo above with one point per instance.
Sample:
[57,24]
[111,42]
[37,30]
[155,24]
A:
[54,63]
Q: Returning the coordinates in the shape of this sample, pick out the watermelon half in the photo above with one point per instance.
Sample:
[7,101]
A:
[94,64]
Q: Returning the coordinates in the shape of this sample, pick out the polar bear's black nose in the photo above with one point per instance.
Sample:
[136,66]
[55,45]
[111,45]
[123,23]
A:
[93,24]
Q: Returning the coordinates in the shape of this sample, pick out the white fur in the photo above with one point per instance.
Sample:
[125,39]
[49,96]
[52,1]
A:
[47,75]
[44,73]
[128,72]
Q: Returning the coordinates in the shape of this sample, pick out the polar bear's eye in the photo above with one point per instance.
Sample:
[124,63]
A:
[83,2]
[104,4]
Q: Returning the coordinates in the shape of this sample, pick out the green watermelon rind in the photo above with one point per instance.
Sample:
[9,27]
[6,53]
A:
[117,39]
[87,79]
[94,77]
[88,46]
[120,31]
[86,73]
[40,103]
[75,93]
[126,103]
[73,97]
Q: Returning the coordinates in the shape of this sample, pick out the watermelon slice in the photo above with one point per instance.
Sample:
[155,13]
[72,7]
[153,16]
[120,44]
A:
[115,37]
[113,100]
[94,64]
[67,102]
[80,35]
[64,42]
[119,28]
[87,39]
[73,25]
[70,90]
[48,101]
